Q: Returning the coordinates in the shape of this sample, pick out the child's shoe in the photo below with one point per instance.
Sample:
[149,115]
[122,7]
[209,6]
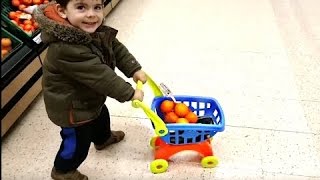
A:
[72,175]
[116,136]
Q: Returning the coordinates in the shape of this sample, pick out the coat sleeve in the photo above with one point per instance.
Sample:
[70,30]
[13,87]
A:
[125,61]
[78,63]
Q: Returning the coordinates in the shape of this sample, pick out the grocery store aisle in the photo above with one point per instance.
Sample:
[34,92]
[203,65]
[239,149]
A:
[260,60]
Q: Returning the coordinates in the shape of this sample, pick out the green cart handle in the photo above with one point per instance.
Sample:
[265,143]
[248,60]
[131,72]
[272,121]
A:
[160,126]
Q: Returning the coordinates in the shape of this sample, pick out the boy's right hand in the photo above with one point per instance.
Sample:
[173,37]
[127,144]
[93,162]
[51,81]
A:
[138,95]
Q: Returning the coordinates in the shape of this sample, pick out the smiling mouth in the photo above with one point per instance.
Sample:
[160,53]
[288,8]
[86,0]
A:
[89,23]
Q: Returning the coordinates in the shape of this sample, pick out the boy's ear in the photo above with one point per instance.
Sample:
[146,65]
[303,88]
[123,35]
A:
[61,11]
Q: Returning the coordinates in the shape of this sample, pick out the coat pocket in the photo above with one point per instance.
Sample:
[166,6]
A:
[77,104]
[83,111]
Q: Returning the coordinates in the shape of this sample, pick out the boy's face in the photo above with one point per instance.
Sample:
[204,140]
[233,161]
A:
[84,14]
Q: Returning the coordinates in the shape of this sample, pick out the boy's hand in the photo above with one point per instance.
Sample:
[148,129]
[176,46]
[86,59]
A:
[140,75]
[138,95]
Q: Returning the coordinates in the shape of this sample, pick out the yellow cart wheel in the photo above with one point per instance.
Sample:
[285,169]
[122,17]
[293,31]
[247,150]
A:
[209,162]
[159,166]
[153,142]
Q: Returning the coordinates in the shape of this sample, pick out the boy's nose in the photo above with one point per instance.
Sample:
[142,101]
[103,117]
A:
[90,13]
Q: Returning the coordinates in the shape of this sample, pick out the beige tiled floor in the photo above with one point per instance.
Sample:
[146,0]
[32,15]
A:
[260,59]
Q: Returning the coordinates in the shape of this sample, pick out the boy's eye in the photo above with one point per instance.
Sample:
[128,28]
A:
[98,7]
[80,7]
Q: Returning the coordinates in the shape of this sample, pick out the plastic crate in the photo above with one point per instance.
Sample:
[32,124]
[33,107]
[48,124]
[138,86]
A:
[16,44]
[6,8]
[193,132]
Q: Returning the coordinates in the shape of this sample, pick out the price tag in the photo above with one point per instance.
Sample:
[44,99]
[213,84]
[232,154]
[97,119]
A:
[37,39]
[166,91]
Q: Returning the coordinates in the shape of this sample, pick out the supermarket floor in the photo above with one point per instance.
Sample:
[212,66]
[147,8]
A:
[260,60]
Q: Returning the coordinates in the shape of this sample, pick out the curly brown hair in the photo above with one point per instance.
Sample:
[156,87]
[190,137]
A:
[64,3]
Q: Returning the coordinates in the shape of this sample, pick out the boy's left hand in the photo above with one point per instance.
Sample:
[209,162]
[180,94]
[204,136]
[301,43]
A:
[140,75]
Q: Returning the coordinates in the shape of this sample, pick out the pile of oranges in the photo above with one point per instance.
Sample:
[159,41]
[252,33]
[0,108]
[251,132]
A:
[177,112]
[24,20]
[5,46]
[25,24]
[22,4]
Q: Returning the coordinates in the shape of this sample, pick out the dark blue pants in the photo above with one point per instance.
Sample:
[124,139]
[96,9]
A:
[76,141]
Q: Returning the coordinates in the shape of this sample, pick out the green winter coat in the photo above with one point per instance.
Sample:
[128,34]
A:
[78,72]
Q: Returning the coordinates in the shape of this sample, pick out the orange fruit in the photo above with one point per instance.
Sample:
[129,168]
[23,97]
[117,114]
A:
[28,27]
[181,109]
[17,20]
[171,117]
[6,42]
[12,15]
[37,2]
[25,22]
[192,117]
[15,3]
[166,106]
[21,26]
[27,2]
[21,7]
[4,53]
[8,48]
[183,121]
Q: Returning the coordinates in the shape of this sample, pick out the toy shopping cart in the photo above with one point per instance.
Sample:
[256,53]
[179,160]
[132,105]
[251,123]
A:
[175,137]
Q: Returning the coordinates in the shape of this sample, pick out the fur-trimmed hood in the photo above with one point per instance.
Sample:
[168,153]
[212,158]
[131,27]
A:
[54,28]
